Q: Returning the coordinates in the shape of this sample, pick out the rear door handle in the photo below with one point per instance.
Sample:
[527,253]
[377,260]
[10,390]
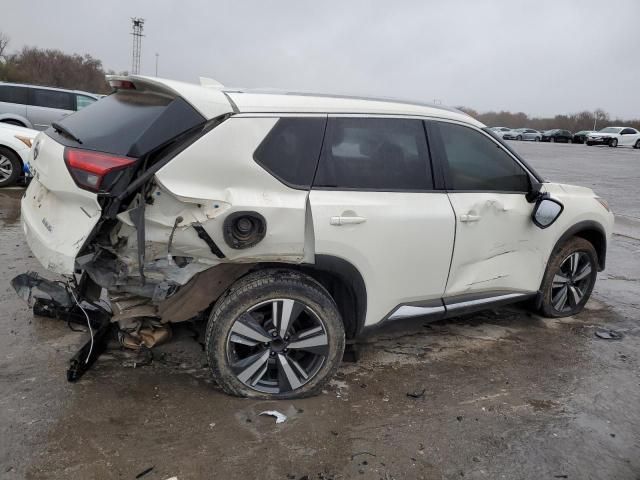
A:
[346,220]
[469,218]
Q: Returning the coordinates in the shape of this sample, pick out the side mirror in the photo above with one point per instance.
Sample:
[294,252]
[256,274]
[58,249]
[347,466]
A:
[546,211]
[534,191]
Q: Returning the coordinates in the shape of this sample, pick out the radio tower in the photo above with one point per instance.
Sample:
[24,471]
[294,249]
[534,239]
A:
[137,25]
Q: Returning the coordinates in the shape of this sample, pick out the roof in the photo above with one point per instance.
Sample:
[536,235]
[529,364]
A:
[44,87]
[212,99]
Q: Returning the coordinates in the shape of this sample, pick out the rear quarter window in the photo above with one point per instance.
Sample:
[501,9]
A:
[129,123]
[291,149]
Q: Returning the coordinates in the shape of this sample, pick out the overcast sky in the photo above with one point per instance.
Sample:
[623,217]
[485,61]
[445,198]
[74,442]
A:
[540,57]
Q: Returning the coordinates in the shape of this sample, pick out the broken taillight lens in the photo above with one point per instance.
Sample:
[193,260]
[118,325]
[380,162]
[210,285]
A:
[89,169]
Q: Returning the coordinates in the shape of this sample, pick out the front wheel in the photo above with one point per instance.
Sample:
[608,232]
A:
[613,143]
[277,334]
[552,140]
[519,137]
[569,279]
[10,168]
[537,139]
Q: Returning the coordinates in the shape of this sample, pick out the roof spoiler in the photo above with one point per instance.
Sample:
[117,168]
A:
[207,97]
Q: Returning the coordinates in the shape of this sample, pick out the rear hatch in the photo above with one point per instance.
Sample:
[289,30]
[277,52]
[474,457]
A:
[80,163]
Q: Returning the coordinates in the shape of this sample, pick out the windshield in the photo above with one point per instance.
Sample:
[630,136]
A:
[610,130]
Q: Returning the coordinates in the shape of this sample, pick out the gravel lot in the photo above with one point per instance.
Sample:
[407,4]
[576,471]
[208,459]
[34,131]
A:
[507,394]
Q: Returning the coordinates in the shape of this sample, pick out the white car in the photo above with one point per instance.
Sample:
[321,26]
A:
[500,131]
[295,221]
[15,143]
[615,136]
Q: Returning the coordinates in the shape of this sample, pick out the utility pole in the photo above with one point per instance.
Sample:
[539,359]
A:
[137,25]
[157,55]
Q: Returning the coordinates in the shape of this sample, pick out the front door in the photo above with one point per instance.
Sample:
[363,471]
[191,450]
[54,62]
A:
[374,205]
[495,252]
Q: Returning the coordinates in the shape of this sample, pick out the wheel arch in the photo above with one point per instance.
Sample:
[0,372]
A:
[342,280]
[16,118]
[11,150]
[591,231]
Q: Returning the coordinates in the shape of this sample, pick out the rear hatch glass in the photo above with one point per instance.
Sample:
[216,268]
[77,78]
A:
[128,123]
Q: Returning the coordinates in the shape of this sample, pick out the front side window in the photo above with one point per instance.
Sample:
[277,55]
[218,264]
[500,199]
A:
[291,149]
[83,101]
[476,163]
[388,154]
[11,94]
[51,99]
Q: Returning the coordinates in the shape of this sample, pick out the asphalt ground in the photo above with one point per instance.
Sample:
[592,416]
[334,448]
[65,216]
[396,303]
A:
[500,394]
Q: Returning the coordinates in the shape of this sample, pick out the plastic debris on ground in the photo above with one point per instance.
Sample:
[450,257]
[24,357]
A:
[280,417]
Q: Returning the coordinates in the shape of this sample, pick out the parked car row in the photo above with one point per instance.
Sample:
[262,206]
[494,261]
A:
[37,107]
[611,136]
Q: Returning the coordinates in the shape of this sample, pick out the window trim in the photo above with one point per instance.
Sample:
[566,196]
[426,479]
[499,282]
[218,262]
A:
[442,160]
[430,166]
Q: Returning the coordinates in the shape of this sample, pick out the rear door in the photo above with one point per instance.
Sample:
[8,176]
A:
[628,137]
[374,205]
[47,106]
[496,248]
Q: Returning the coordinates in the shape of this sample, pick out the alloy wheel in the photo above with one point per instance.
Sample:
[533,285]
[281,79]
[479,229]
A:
[6,168]
[277,346]
[571,282]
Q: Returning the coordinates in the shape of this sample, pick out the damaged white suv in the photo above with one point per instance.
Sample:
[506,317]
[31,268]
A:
[295,221]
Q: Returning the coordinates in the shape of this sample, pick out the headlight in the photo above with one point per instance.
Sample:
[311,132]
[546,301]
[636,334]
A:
[26,140]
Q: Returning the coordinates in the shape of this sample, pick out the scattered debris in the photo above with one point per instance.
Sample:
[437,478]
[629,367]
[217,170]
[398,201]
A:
[144,332]
[608,334]
[280,417]
[417,394]
[145,471]
[459,418]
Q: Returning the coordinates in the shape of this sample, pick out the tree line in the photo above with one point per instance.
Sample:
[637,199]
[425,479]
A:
[52,68]
[573,122]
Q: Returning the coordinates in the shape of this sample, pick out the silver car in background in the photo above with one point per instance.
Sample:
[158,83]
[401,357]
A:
[500,131]
[37,107]
[523,134]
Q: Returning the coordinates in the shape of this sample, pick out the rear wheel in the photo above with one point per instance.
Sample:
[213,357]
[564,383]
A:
[569,141]
[637,145]
[537,139]
[613,143]
[569,279]
[10,167]
[552,140]
[519,137]
[277,334]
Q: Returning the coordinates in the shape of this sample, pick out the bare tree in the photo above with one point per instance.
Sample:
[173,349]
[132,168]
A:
[4,42]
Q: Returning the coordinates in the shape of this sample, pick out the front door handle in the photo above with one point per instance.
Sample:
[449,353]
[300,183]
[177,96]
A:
[469,218]
[346,220]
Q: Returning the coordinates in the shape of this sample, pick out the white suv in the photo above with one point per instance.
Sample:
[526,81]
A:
[294,221]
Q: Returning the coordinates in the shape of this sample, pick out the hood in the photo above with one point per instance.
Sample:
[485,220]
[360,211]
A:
[574,190]
[16,130]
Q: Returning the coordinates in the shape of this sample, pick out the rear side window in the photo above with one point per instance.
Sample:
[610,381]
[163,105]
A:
[51,99]
[129,123]
[291,149]
[83,101]
[476,163]
[11,94]
[388,154]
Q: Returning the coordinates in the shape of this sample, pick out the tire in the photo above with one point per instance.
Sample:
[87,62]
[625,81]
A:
[569,141]
[579,280]
[552,139]
[589,144]
[10,167]
[14,122]
[253,358]
[637,145]
[519,137]
[537,139]
[613,143]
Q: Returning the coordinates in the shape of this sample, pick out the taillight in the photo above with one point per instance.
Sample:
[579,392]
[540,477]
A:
[122,84]
[89,169]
